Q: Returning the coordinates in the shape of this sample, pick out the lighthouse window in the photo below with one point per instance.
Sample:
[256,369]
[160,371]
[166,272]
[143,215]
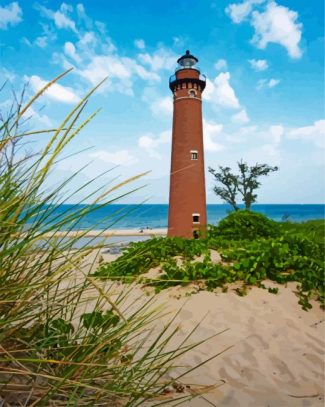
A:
[196,217]
[192,93]
[194,154]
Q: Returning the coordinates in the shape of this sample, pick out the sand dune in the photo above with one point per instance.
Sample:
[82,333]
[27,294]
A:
[277,358]
[111,232]
[277,353]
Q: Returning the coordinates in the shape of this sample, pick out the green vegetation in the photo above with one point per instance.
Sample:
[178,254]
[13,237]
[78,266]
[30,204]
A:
[253,248]
[313,229]
[54,349]
[245,225]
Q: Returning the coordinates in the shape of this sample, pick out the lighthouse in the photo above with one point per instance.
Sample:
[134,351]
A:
[187,198]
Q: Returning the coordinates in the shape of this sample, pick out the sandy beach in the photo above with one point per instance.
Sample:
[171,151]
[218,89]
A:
[276,357]
[111,233]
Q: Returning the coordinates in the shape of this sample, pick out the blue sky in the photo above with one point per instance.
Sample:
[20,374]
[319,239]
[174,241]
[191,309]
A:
[264,100]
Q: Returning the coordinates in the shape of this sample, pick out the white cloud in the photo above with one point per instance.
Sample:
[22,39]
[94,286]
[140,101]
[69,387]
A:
[10,15]
[152,144]
[36,118]
[162,106]
[267,83]
[121,157]
[139,44]
[87,39]
[80,9]
[271,150]
[212,130]
[48,34]
[240,117]
[63,21]
[273,82]
[115,67]
[70,50]
[274,24]
[239,11]
[277,24]
[60,17]
[314,133]
[220,64]
[160,59]
[275,134]
[111,66]
[220,92]
[55,92]
[144,74]
[41,41]
[258,64]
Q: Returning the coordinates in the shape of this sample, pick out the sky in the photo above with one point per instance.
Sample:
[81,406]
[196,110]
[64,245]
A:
[263,103]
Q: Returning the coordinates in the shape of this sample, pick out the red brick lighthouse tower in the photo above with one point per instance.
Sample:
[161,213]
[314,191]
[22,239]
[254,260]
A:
[187,201]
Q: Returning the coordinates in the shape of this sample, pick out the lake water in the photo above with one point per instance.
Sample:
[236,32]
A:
[155,216]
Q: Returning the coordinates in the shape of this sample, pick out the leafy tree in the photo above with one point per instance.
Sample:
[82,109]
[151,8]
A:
[246,183]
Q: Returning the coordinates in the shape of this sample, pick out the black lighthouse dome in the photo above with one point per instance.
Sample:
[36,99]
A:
[187,60]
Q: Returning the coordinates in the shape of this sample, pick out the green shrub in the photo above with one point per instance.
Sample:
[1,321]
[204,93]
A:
[245,225]
[142,256]
[253,248]
[314,229]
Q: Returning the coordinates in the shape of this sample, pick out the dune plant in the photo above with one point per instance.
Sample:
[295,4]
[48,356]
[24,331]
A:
[253,248]
[66,339]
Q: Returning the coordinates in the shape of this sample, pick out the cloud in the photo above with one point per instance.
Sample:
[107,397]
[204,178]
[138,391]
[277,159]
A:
[115,67]
[212,130]
[55,92]
[70,50]
[275,134]
[220,92]
[258,64]
[121,157]
[139,44]
[94,57]
[267,83]
[36,118]
[152,144]
[271,149]
[159,105]
[60,17]
[239,11]
[277,24]
[80,9]
[273,24]
[220,64]
[314,134]
[48,34]
[158,60]
[240,117]
[10,15]
[162,106]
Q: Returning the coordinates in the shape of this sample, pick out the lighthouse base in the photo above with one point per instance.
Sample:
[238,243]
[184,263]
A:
[197,232]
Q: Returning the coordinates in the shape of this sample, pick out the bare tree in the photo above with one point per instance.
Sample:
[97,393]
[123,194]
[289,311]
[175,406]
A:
[230,185]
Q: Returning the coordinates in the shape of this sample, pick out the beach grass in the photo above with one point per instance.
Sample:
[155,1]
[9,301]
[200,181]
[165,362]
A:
[66,338]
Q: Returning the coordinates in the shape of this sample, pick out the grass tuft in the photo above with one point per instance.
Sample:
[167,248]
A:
[66,338]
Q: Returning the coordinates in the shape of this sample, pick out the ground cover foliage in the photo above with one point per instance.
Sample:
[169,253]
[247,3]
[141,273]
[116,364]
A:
[253,248]
[65,339]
